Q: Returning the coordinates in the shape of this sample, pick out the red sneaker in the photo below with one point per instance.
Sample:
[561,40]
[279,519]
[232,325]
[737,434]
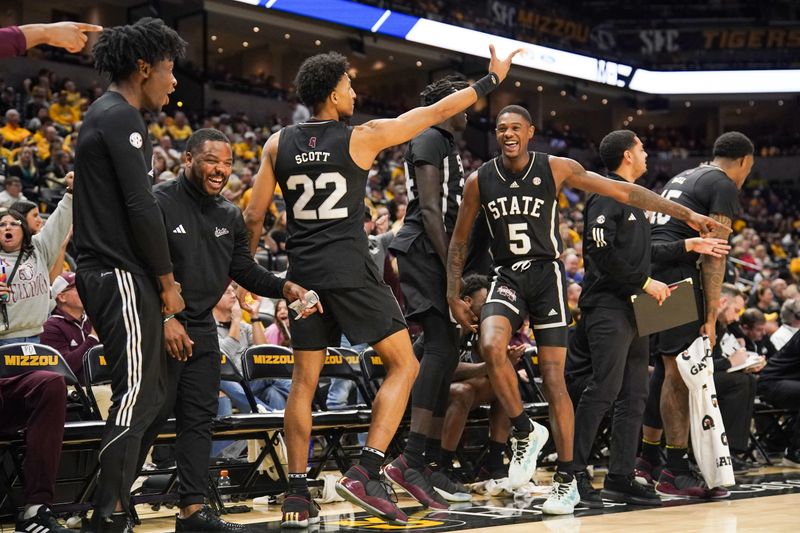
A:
[369,494]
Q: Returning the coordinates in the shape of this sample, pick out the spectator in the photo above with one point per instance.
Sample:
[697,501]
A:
[12,132]
[300,113]
[31,213]
[12,192]
[790,322]
[765,300]
[27,260]
[28,172]
[37,403]
[278,331]
[179,131]
[68,329]
[778,287]
[37,103]
[43,138]
[64,113]
[753,326]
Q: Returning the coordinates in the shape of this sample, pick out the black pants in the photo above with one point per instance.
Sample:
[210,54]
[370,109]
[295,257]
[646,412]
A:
[191,393]
[125,309]
[784,393]
[736,393]
[439,361]
[619,378]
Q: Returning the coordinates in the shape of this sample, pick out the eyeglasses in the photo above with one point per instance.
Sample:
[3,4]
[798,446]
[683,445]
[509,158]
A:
[12,224]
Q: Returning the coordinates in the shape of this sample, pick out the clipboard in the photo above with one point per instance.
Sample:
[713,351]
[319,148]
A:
[679,309]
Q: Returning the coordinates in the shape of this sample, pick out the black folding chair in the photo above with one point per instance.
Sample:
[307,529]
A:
[229,372]
[373,373]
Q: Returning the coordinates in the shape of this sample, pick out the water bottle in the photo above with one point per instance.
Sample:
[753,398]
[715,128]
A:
[224,483]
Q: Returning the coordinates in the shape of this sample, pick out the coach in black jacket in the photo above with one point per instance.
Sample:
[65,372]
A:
[616,246]
[208,245]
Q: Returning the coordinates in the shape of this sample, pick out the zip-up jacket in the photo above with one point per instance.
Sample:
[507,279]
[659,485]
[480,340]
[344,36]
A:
[71,337]
[209,246]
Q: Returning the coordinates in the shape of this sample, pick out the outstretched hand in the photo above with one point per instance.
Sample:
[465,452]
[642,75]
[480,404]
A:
[70,35]
[501,66]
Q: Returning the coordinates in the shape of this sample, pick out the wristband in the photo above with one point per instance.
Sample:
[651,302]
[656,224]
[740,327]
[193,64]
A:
[646,283]
[486,84]
[168,317]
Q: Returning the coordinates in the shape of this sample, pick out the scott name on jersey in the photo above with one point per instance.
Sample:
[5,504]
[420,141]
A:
[515,205]
[312,157]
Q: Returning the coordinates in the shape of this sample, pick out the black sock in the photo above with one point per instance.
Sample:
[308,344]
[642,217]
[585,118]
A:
[433,452]
[564,468]
[522,424]
[415,448]
[494,457]
[651,452]
[446,459]
[298,484]
[677,460]
[371,461]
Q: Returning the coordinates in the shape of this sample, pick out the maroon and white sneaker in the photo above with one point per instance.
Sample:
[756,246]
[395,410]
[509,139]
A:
[719,493]
[370,494]
[687,486]
[416,483]
[298,512]
[643,471]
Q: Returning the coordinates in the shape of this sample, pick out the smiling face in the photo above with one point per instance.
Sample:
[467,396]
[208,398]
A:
[210,168]
[11,233]
[513,133]
[158,84]
[281,311]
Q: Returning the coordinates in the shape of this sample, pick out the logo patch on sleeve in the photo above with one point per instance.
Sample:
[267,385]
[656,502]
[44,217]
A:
[135,139]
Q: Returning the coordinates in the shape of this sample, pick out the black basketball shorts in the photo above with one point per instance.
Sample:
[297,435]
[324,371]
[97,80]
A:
[535,289]
[423,279]
[673,341]
[366,314]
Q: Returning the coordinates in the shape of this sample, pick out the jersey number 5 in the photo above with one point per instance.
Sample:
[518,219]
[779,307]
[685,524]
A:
[660,219]
[326,210]
[518,240]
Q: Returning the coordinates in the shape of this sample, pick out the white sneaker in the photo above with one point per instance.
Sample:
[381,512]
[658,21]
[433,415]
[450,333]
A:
[563,497]
[524,453]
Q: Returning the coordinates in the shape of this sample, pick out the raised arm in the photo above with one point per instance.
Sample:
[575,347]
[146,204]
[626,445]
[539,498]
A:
[263,189]
[370,138]
[457,253]
[573,174]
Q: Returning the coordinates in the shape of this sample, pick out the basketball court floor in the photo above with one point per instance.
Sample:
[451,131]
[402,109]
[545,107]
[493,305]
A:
[767,499]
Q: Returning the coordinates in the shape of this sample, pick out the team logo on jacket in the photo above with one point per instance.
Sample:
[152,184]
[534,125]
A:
[312,142]
[219,232]
[601,219]
[507,293]
[708,422]
[537,180]
[135,139]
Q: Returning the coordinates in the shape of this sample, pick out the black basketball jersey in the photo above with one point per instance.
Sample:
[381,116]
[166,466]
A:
[706,190]
[521,211]
[436,147]
[324,193]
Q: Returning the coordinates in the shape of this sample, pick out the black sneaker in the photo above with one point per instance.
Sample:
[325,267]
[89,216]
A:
[740,466]
[116,523]
[791,458]
[625,489]
[44,520]
[590,496]
[486,473]
[299,511]
[206,520]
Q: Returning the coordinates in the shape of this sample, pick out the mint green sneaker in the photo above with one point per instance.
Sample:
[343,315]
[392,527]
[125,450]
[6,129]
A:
[563,498]
[524,452]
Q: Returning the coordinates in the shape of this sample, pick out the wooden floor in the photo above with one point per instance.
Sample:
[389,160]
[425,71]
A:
[766,507]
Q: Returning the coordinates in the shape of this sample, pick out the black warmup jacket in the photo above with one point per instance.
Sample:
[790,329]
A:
[209,246]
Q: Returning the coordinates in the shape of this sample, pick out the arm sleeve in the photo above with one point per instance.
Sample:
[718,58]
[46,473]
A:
[12,42]
[124,132]
[663,252]
[602,217]
[48,242]
[246,272]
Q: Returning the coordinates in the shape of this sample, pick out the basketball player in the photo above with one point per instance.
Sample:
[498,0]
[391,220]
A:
[322,167]
[518,192]
[435,177]
[711,189]
[123,258]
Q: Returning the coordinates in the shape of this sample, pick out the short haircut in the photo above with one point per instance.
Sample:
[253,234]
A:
[472,284]
[613,147]
[441,89]
[752,317]
[733,145]
[13,179]
[729,290]
[119,48]
[516,109]
[318,77]
[199,137]
[790,310]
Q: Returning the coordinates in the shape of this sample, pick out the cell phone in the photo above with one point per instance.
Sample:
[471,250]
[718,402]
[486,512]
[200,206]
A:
[298,306]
